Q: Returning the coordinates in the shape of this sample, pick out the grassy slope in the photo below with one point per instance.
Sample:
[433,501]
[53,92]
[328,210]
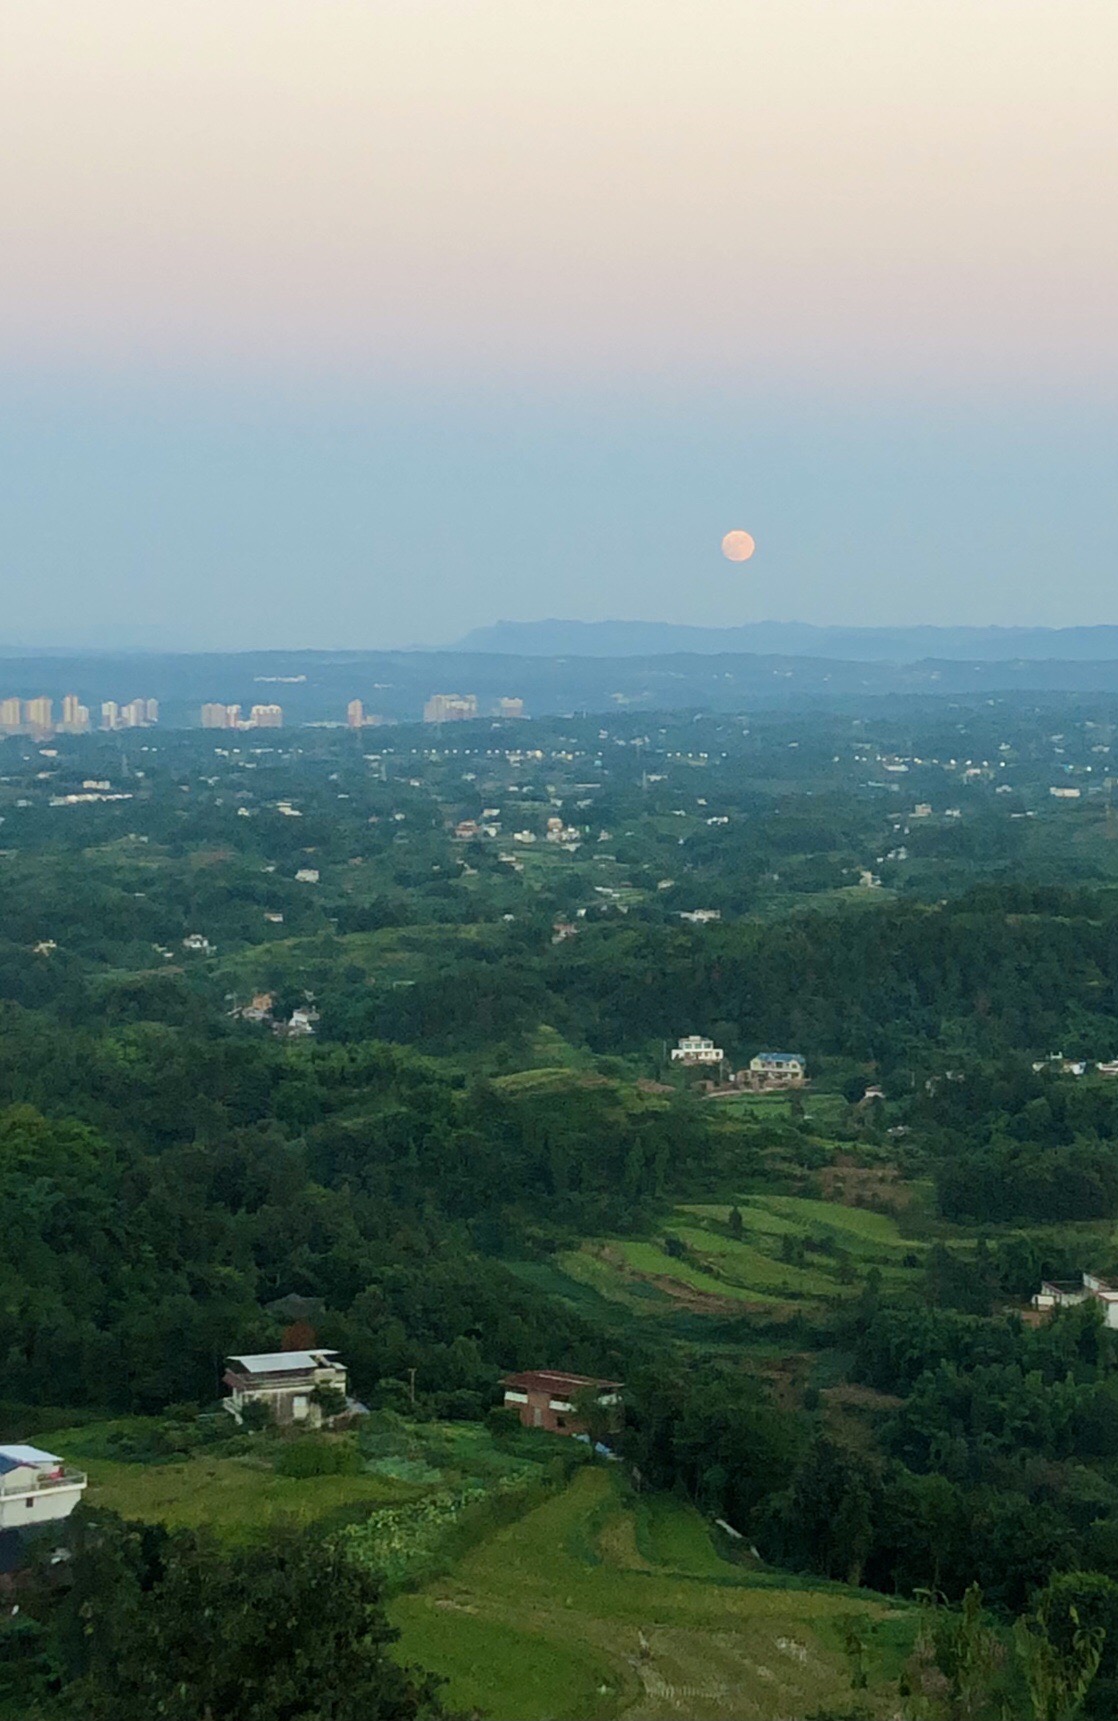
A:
[235,1497]
[545,1620]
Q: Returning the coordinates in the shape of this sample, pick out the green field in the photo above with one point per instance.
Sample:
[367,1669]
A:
[235,1497]
[595,1605]
[407,1470]
[793,1252]
[558,1600]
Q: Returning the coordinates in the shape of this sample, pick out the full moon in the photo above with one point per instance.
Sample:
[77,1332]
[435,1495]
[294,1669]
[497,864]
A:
[738,546]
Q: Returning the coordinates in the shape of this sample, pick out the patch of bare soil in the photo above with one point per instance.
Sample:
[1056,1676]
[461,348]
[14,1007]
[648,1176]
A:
[847,1395]
[878,1187]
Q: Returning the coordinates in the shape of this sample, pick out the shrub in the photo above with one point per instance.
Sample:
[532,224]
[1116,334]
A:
[256,1417]
[309,1456]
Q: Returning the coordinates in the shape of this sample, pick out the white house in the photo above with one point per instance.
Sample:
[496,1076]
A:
[283,1381]
[696,1049]
[36,1487]
[1064,1294]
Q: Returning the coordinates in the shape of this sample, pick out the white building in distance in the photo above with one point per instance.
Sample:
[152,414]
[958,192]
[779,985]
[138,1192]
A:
[696,1049]
[36,1487]
[285,1382]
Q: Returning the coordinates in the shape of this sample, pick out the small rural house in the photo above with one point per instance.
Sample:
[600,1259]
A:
[1065,1294]
[285,1382]
[696,1049]
[546,1398]
[777,1070]
[36,1487]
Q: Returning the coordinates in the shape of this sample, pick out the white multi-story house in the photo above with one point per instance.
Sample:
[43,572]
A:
[36,1487]
[1062,1294]
[696,1049]
[283,1381]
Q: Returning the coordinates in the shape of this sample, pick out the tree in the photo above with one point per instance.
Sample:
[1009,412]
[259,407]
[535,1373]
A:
[256,1416]
[1077,1601]
[961,1660]
[172,1625]
[331,1401]
[824,1522]
[1057,1676]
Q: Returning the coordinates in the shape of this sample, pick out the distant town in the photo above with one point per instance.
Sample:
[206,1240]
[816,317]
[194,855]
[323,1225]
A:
[36,717]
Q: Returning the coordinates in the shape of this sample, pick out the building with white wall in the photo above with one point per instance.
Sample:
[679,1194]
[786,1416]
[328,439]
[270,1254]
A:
[36,1487]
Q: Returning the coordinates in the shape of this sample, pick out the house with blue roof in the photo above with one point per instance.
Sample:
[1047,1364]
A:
[36,1487]
[769,1070]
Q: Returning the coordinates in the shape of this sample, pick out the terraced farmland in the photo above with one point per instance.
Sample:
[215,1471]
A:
[792,1253]
[596,1605]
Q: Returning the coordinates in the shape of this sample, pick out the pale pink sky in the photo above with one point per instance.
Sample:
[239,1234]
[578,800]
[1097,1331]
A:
[367,321]
[853,189]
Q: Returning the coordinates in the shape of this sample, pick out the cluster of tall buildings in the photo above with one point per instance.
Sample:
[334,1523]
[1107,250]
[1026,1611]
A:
[358,718]
[459,707]
[36,716]
[217,716]
[137,714]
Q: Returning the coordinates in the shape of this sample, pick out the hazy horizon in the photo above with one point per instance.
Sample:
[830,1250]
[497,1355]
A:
[325,325]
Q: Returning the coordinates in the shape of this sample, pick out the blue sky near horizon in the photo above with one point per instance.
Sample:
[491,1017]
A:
[328,324]
[202,520]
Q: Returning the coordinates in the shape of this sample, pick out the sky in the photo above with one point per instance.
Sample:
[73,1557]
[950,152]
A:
[363,322]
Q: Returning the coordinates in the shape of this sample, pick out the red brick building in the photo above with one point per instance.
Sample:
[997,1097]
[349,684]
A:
[546,1398]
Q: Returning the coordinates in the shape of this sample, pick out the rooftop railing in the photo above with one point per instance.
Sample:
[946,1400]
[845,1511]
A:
[62,1479]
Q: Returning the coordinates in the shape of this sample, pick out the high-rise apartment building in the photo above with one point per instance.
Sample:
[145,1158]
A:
[510,708]
[218,716]
[355,714]
[266,717]
[11,715]
[38,714]
[450,707]
[137,714]
[75,715]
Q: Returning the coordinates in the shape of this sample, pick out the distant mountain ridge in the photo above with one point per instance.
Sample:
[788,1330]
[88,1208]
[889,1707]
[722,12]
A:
[554,638]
